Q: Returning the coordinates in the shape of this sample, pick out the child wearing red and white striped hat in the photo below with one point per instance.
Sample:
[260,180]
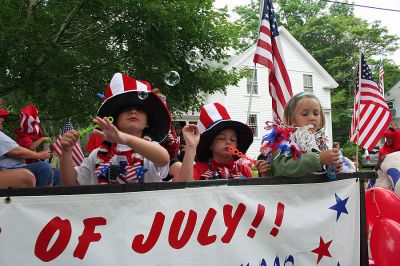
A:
[29,133]
[209,142]
[30,136]
[126,156]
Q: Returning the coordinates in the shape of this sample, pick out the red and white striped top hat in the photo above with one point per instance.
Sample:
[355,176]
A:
[213,119]
[29,122]
[124,91]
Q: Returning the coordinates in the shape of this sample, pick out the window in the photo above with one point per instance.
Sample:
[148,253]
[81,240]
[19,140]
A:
[308,83]
[252,122]
[390,104]
[255,84]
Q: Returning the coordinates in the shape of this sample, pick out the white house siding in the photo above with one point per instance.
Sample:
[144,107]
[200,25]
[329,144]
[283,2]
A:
[394,95]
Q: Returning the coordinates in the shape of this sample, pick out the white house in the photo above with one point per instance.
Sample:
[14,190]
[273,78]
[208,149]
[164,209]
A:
[305,73]
[392,98]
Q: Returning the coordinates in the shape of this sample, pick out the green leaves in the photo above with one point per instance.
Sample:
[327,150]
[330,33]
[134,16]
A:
[60,54]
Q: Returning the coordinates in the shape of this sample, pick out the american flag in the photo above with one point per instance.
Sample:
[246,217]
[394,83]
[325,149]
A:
[375,116]
[77,154]
[268,53]
[381,78]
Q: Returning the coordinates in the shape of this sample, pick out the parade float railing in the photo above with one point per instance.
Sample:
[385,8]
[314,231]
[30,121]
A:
[261,221]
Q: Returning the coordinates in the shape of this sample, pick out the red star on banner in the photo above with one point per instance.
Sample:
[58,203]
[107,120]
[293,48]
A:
[322,250]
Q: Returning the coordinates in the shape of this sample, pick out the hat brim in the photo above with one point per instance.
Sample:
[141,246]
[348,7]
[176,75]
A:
[244,137]
[4,113]
[158,115]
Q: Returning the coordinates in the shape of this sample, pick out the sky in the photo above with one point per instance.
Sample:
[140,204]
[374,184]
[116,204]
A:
[389,19]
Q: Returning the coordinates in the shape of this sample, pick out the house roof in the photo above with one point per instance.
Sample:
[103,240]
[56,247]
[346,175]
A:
[331,83]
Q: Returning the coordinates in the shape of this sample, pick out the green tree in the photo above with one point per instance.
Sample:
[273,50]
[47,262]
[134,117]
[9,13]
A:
[59,54]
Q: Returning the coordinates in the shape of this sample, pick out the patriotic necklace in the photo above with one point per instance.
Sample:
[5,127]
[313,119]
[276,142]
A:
[221,171]
[130,172]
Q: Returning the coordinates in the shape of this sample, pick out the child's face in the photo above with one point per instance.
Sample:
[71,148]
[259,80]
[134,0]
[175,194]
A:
[225,138]
[308,112]
[132,119]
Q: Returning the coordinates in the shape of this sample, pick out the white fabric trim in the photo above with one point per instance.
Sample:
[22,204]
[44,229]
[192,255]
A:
[117,84]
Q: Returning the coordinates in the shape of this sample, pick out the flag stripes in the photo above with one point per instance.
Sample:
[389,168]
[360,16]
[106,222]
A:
[268,54]
[374,114]
[77,154]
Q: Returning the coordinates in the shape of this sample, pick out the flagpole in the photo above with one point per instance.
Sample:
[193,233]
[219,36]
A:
[254,67]
[380,81]
[358,106]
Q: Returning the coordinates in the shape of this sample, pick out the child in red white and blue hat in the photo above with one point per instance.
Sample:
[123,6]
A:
[209,142]
[29,133]
[130,152]
[30,136]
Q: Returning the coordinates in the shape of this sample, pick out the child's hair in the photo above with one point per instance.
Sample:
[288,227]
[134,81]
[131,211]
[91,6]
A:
[288,117]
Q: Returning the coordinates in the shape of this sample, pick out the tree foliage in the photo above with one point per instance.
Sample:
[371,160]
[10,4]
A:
[59,54]
[333,35]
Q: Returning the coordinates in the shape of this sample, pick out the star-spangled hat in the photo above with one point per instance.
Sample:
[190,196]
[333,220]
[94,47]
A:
[124,91]
[213,119]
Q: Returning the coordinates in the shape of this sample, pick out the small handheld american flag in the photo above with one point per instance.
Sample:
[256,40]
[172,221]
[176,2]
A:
[77,154]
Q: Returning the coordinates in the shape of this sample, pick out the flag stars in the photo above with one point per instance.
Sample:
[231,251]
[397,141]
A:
[140,171]
[322,250]
[340,206]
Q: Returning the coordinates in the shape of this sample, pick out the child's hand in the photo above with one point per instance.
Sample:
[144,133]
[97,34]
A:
[264,168]
[108,131]
[191,135]
[43,155]
[329,156]
[68,140]
[170,138]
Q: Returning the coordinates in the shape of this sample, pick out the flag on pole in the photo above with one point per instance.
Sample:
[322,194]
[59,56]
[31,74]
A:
[369,104]
[77,154]
[381,78]
[269,54]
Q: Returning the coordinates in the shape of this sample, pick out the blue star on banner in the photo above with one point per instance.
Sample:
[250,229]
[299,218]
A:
[339,207]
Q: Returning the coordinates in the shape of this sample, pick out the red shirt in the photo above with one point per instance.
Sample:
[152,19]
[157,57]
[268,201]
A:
[94,142]
[200,168]
[26,143]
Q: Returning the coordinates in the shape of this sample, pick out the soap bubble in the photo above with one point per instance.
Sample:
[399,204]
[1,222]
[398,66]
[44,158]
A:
[193,57]
[172,78]
[142,95]
[193,68]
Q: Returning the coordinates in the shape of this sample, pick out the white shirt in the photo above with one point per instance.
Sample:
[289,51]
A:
[86,175]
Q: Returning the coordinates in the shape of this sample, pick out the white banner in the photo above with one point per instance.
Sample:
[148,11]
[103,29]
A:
[277,225]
